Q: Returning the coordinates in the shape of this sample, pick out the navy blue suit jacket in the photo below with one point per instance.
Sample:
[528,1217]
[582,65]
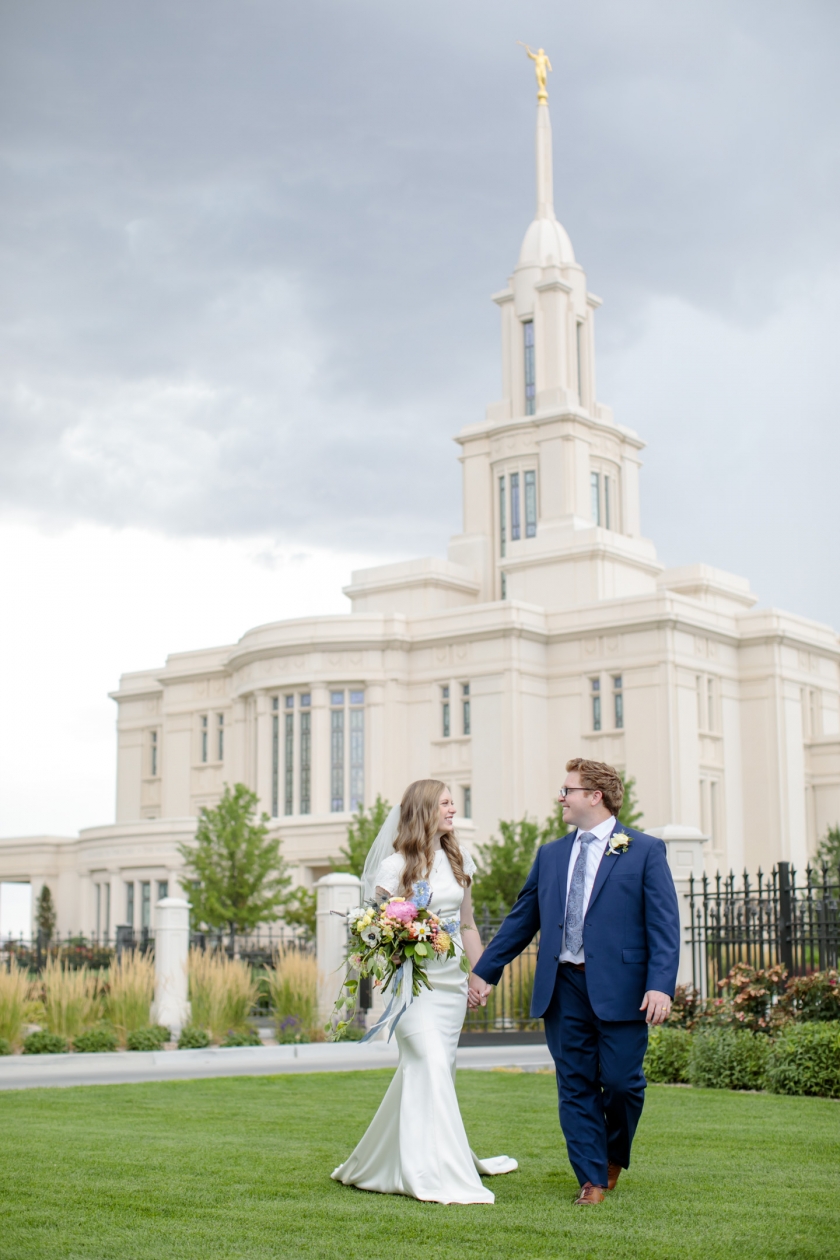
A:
[631,931]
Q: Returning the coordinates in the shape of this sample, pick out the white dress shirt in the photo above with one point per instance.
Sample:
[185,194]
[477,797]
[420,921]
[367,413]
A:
[594,854]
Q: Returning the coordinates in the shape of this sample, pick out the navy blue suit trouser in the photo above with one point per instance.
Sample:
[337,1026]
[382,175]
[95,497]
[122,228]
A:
[600,1082]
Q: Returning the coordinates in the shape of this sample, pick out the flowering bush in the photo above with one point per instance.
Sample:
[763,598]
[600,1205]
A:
[754,993]
[385,937]
[814,997]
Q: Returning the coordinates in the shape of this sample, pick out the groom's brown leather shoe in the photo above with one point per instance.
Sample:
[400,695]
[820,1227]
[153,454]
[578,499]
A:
[589,1195]
[614,1172]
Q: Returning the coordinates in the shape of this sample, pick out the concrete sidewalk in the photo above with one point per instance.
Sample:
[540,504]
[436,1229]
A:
[48,1071]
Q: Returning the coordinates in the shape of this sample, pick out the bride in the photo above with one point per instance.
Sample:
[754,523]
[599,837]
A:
[416,1143]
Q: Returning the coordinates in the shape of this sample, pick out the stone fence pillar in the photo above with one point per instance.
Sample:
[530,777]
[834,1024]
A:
[685,858]
[172,947]
[337,892]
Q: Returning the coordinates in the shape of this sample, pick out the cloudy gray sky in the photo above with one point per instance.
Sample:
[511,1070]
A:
[247,251]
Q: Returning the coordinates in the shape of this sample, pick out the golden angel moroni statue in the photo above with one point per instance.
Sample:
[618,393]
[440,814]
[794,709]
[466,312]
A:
[541,66]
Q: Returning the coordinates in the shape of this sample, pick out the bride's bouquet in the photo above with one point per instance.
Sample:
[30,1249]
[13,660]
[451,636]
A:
[393,942]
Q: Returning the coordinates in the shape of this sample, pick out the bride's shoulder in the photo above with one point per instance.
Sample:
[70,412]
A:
[390,870]
[470,867]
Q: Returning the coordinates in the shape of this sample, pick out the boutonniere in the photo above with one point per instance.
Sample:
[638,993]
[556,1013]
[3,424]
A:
[619,843]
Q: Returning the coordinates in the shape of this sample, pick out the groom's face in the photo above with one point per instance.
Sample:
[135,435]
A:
[579,803]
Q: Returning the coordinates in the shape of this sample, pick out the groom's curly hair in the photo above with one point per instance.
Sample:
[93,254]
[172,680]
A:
[597,776]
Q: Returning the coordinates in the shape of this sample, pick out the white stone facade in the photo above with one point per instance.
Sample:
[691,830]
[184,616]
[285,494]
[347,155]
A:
[551,609]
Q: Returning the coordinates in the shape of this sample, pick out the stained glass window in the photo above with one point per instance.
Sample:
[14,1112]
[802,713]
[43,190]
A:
[530,504]
[337,759]
[515,529]
[595,486]
[305,756]
[502,519]
[618,701]
[468,802]
[596,703]
[444,691]
[465,704]
[204,733]
[530,368]
[357,752]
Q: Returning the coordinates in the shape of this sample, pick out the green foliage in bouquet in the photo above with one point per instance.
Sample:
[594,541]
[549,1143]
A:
[805,1059]
[95,1041]
[193,1038]
[44,1043]
[666,1060]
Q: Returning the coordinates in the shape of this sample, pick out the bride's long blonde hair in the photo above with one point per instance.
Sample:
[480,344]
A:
[418,826]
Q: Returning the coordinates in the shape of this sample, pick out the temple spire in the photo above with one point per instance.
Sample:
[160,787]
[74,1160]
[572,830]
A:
[545,177]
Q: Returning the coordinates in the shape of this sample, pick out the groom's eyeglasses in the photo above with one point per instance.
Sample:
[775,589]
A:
[564,791]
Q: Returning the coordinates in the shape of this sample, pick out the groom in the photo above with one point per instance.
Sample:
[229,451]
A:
[604,903]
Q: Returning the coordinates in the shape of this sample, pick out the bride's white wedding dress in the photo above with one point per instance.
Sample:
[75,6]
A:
[416,1143]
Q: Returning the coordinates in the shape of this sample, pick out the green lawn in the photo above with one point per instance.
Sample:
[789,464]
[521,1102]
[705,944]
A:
[240,1168]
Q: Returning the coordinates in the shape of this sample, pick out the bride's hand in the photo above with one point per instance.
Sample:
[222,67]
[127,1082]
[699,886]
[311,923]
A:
[477,992]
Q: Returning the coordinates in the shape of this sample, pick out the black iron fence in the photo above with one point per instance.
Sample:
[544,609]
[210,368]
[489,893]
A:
[781,919]
[509,1004]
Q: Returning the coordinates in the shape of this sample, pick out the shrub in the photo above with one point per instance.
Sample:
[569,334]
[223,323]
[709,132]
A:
[293,984]
[751,996]
[193,1038]
[71,1000]
[291,1032]
[222,992]
[5,1046]
[245,1037]
[15,992]
[805,1059]
[95,1041]
[814,997]
[728,1058]
[129,992]
[666,1061]
[45,1043]
[147,1038]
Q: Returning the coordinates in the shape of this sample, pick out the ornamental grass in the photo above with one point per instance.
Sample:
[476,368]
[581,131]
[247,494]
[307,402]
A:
[15,995]
[222,992]
[72,1001]
[294,983]
[129,992]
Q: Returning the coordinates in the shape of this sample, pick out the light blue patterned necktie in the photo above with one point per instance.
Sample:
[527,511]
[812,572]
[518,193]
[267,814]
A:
[574,908]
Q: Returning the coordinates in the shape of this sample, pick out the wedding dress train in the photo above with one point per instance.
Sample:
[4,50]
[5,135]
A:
[416,1143]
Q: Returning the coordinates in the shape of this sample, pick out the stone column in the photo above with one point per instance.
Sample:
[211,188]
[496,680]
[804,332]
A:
[172,944]
[336,893]
[685,858]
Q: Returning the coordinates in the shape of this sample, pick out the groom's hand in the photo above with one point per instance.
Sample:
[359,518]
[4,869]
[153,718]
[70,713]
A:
[657,1005]
[477,992]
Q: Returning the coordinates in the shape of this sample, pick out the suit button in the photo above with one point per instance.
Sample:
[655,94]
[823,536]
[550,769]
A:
[559,925]
[556,957]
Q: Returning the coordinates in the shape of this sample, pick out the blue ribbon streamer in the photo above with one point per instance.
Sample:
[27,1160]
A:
[401,998]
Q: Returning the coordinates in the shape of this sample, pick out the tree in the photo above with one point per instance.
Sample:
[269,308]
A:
[239,877]
[629,814]
[45,913]
[361,834]
[299,910]
[829,850]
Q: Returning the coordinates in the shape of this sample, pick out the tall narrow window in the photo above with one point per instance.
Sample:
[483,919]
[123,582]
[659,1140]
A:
[306,754]
[714,805]
[618,701]
[504,586]
[607,503]
[596,703]
[145,904]
[468,802]
[515,527]
[107,925]
[711,716]
[289,757]
[465,704]
[579,348]
[129,903]
[204,736]
[701,725]
[595,490]
[337,751]
[813,713]
[530,369]
[275,756]
[163,889]
[445,723]
[357,749]
[530,505]
[153,754]
[220,736]
[502,520]
[98,888]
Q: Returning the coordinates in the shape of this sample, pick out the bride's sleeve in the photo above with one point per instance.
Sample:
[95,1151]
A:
[470,867]
[388,875]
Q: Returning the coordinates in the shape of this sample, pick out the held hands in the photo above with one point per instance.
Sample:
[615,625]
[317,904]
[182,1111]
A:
[477,992]
[657,1005]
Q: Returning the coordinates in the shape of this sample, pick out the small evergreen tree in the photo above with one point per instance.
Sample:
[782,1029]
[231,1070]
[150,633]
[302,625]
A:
[503,865]
[45,913]
[239,878]
[829,850]
[299,910]
[361,834]
[629,814]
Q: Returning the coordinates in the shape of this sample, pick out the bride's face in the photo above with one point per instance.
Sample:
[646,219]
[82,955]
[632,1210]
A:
[446,813]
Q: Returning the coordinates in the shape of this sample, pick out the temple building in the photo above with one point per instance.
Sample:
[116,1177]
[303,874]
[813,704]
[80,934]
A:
[550,630]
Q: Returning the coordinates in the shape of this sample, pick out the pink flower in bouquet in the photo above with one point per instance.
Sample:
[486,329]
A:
[402,911]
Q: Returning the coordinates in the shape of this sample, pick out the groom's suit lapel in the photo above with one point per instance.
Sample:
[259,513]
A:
[564,853]
[603,873]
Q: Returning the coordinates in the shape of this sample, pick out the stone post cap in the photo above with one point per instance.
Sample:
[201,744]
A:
[339,879]
[172,903]
[676,831]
